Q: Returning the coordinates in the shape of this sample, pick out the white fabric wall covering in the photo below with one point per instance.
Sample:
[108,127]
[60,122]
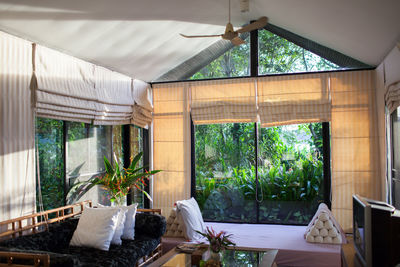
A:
[143,108]
[293,99]
[17,168]
[223,101]
[114,97]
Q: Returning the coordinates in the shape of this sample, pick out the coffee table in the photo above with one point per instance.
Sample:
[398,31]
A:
[239,256]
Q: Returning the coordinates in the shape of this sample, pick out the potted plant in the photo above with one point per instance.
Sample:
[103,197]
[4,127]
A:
[117,181]
[217,243]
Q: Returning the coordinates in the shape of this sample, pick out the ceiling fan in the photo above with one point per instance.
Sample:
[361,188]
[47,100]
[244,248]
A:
[230,34]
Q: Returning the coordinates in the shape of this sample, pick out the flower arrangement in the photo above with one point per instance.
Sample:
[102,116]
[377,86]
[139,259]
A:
[117,181]
[218,241]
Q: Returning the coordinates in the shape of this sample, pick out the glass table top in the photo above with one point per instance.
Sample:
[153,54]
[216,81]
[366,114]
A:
[228,258]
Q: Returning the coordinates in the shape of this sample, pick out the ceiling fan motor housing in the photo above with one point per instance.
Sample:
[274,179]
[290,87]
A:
[229,32]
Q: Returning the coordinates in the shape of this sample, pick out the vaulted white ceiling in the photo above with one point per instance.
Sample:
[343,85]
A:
[140,38]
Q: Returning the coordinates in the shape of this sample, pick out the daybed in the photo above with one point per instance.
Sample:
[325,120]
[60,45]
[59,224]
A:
[288,239]
[31,240]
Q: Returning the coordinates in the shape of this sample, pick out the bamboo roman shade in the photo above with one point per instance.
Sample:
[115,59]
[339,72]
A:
[354,142]
[143,108]
[293,99]
[223,101]
[171,145]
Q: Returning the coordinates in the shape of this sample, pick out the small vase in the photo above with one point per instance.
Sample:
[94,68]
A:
[212,256]
[216,256]
[120,201]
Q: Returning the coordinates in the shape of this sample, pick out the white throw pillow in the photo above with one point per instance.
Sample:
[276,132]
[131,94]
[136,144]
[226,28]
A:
[191,215]
[129,229]
[116,240]
[95,228]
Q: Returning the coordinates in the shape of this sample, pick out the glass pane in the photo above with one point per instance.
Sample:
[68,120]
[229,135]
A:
[225,173]
[87,145]
[396,159]
[290,173]
[233,63]
[136,146]
[278,55]
[49,136]
[117,143]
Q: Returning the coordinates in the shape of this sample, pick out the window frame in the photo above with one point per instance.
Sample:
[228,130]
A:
[326,165]
[125,135]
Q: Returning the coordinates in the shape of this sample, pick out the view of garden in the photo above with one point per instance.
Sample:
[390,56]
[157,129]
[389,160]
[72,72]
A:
[290,172]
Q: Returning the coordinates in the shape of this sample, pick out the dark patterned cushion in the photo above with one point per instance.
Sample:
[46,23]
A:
[150,225]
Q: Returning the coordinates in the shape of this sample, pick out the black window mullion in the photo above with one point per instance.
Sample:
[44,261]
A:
[64,152]
[193,159]
[326,154]
[126,152]
[146,162]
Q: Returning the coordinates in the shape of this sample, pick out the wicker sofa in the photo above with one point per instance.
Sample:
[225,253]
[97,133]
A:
[46,243]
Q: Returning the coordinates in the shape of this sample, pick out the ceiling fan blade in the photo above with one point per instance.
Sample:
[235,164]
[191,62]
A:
[258,24]
[200,36]
[237,41]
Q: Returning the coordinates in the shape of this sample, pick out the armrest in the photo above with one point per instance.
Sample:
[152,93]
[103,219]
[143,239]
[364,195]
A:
[151,225]
[32,258]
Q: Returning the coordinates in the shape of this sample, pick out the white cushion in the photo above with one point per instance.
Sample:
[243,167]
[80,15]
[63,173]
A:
[129,229]
[95,228]
[116,240]
[191,215]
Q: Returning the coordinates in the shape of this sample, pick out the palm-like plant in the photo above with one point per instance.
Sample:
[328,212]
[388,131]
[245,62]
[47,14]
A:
[117,180]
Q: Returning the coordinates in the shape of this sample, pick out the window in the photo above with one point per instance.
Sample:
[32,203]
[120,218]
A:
[278,55]
[50,145]
[233,63]
[395,161]
[289,184]
[80,148]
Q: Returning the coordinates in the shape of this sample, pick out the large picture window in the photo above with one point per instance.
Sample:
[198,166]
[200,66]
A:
[244,173]
[71,151]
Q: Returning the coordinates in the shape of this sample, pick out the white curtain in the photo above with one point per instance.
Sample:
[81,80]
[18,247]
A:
[392,79]
[17,168]
[143,108]
[115,98]
[67,88]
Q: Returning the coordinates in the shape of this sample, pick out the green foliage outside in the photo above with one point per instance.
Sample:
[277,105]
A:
[290,171]
[276,55]
[49,141]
